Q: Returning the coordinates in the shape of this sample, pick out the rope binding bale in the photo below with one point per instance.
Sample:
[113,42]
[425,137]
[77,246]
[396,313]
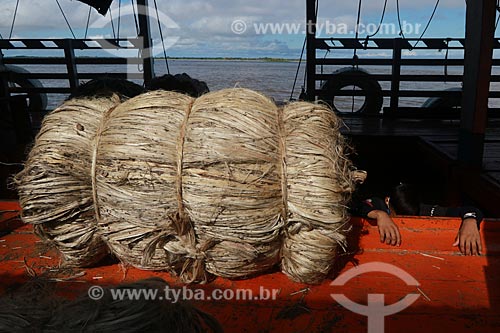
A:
[226,184]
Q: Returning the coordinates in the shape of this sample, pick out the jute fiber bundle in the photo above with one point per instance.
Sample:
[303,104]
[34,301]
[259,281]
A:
[227,184]
[55,191]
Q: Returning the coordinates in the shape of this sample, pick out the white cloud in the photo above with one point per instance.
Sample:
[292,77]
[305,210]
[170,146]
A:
[218,25]
[208,24]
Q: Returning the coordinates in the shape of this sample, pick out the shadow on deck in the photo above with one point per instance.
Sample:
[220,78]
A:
[424,151]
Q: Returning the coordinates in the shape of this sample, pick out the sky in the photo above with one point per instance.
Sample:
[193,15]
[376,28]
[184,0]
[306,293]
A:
[230,28]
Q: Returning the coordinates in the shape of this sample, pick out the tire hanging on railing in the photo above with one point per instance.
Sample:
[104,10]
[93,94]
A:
[450,103]
[347,77]
[36,101]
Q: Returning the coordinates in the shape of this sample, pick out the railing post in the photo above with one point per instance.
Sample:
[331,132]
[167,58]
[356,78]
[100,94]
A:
[145,34]
[69,53]
[311,49]
[15,110]
[4,87]
[479,39]
[396,74]
[4,90]
[21,119]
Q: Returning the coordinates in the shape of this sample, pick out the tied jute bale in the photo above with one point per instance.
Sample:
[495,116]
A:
[227,184]
[55,191]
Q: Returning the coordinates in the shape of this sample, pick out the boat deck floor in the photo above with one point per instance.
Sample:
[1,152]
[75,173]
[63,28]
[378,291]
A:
[455,293]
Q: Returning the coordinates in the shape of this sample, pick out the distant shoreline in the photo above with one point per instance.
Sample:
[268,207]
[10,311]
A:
[264,59]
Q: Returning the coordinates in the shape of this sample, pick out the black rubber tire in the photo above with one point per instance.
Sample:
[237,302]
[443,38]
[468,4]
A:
[446,104]
[36,101]
[360,78]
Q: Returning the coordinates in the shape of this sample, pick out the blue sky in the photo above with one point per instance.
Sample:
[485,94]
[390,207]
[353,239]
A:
[203,28]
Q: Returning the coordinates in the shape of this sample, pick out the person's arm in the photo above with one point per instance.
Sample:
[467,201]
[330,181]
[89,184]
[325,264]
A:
[376,209]
[468,238]
[387,229]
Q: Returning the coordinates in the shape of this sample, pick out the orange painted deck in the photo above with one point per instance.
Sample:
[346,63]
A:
[457,293]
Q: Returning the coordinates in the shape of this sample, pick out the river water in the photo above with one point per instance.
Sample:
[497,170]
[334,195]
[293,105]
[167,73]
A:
[274,79]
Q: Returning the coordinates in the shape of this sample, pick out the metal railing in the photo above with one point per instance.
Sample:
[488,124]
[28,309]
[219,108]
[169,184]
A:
[68,75]
[396,61]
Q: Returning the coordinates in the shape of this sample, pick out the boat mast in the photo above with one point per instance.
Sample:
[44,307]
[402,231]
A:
[145,34]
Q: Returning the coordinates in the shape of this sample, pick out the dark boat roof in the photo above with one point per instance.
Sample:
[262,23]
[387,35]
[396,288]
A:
[101,6]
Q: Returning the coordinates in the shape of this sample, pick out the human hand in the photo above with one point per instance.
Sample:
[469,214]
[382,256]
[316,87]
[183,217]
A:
[468,239]
[388,230]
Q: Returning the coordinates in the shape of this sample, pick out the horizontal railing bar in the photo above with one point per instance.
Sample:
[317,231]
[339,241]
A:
[389,43]
[429,113]
[407,93]
[415,78]
[79,61]
[411,78]
[402,93]
[388,62]
[44,90]
[77,44]
[64,76]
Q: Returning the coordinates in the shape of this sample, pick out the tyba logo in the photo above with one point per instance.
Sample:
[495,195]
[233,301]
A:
[375,310]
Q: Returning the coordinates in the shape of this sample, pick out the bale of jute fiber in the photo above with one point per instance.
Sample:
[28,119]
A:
[54,188]
[227,185]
